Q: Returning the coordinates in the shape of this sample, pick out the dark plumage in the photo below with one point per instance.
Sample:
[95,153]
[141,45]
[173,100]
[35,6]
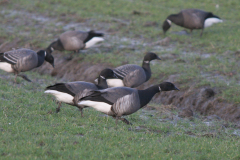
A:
[22,60]
[120,101]
[131,75]
[191,19]
[70,92]
[75,41]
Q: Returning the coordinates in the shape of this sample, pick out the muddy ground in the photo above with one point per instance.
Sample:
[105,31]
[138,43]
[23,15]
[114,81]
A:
[189,101]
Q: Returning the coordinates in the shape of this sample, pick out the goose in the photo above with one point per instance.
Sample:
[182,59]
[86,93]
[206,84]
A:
[120,101]
[131,75]
[191,19]
[72,91]
[75,41]
[21,60]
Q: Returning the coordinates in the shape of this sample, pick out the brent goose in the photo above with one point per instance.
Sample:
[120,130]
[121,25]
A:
[75,41]
[22,60]
[120,101]
[191,19]
[72,91]
[131,75]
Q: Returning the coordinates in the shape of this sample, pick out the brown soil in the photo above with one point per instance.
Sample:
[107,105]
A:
[201,100]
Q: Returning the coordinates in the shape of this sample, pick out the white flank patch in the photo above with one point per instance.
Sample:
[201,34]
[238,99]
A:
[210,21]
[99,106]
[169,22]
[61,97]
[6,67]
[93,41]
[115,83]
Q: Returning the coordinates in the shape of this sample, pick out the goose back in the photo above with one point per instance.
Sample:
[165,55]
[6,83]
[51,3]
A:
[73,40]
[193,18]
[131,74]
[22,59]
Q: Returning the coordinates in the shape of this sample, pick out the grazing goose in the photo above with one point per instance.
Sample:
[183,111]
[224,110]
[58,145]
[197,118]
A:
[120,101]
[191,19]
[22,60]
[70,92]
[131,75]
[75,41]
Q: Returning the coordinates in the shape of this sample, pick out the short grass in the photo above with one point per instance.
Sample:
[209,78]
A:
[30,129]
[211,60]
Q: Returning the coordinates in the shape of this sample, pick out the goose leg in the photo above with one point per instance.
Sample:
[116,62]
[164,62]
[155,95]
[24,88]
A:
[58,108]
[81,110]
[15,79]
[201,32]
[24,77]
[125,121]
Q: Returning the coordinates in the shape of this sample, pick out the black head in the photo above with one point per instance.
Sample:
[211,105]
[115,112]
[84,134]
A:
[49,58]
[107,73]
[166,25]
[167,86]
[151,56]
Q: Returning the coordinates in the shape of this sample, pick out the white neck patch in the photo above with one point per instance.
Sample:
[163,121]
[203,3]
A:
[146,61]
[210,21]
[45,53]
[102,77]
[169,22]
[159,88]
[52,49]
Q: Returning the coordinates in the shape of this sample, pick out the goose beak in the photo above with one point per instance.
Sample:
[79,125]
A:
[158,58]
[176,89]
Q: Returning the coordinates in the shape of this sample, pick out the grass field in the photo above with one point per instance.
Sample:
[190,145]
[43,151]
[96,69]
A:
[30,128]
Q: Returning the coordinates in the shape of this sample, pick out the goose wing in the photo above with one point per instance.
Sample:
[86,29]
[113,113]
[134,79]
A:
[135,78]
[73,40]
[109,95]
[194,18]
[14,56]
[127,104]
[122,71]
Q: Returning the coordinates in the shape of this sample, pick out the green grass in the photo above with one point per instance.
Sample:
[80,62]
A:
[30,129]
[129,38]
[36,132]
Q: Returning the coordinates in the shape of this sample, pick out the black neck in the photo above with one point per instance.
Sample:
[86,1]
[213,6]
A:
[176,18]
[56,45]
[102,83]
[147,69]
[41,58]
[146,95]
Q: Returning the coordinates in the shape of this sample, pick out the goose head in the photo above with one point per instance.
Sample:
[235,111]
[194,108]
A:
[49,58]
[150,56]
[107,73]
[167,86]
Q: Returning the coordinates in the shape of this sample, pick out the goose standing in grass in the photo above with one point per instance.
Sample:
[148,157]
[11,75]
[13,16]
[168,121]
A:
[191,19]
[75,41]
[120,101]
[131,75]
[22,60]
[70,92]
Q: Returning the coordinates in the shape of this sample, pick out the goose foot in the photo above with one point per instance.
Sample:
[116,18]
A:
[24,77]
[122,119]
